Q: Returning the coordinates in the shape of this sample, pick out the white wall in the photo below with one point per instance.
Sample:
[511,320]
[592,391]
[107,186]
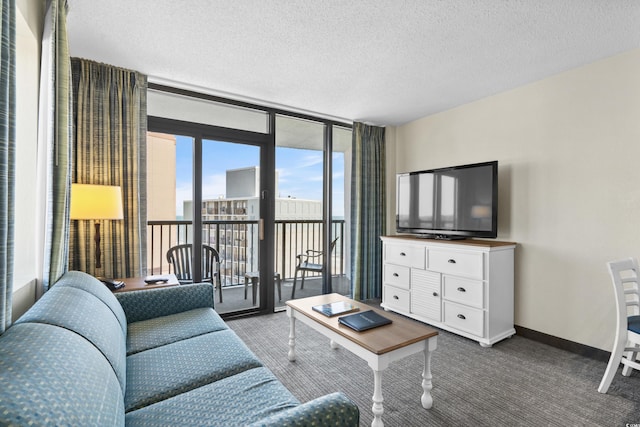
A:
[569,186]
[29,19]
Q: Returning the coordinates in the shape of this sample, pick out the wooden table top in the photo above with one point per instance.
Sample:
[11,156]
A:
[466,242]
[138,283]
[383,339]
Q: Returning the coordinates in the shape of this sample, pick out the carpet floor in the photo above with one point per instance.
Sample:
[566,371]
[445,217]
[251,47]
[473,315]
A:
[517,382]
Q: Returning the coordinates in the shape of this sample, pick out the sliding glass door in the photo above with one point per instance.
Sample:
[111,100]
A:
[209,170]
[169,192]
[312,174]
[299,206]
[340,209]
[231,217]
[205,192]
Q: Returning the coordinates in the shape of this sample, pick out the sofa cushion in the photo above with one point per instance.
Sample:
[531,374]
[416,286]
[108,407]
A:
[52,376]
[148,334]
[81,312]
[167,371]
[152,303]
[88,283]
[233,401]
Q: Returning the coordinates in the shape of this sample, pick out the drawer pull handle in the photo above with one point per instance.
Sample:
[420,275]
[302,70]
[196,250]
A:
[461,316]
[403,254]
[435,294]
[395,297]
[395,274]
[451,261]
[461,289]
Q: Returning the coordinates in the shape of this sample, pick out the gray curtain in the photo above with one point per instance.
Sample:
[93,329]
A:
[7,157]
[110,116]
[55,136]
[368,210]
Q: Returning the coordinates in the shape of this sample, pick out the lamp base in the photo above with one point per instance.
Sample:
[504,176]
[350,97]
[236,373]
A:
[97,240]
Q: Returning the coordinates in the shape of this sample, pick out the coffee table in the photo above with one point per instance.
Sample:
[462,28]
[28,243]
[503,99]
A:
[378,346]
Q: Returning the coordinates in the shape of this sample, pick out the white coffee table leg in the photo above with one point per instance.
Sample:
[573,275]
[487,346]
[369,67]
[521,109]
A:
[292,338]
[377,408]
[427,399]
[334,345]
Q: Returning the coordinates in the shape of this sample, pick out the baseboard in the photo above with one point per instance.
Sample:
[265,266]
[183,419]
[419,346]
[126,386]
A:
[561,343]
[553,341]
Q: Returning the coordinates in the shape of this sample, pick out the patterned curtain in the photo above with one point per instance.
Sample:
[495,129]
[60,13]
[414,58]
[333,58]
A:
[368,207]
[110,115]
[55,139]
[7,157]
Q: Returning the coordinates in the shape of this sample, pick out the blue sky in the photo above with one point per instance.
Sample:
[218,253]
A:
[299,171]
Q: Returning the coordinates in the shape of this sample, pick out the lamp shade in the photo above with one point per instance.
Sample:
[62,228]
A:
[95,202]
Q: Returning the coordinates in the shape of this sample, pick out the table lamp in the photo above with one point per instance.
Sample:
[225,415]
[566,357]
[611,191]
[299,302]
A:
[96,202]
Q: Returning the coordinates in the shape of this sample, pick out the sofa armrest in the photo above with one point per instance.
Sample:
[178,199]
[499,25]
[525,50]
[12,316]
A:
[327,411]
[152,303]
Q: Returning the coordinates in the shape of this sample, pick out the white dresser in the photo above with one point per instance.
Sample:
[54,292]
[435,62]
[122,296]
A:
[462,286]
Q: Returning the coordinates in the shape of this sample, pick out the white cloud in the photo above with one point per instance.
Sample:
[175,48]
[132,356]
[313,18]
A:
[214,186]
[309,160]
[183,192]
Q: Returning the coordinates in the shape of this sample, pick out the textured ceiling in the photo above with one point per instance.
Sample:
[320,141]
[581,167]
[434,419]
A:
[385,62]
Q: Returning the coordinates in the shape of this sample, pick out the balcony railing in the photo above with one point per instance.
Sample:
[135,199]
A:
[237,243]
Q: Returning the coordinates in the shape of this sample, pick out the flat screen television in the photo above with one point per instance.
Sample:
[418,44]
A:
[449,203]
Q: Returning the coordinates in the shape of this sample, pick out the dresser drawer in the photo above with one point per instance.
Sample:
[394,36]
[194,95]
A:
[464,318]
[396,298]
[464,291]
[460,263]
[397,275]
[406,255]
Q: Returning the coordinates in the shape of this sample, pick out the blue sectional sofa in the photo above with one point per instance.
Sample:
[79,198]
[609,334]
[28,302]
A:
[82,356]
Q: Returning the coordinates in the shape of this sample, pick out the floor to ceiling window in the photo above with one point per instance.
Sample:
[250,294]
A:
[299,204]
[307,203]
[169,194]
[230,214]
[252,184]
[340,208]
